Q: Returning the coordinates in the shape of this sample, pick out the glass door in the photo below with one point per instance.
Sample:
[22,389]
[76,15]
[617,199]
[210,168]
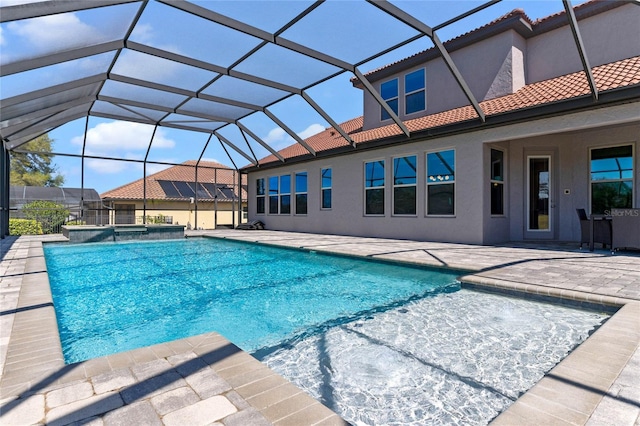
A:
[539,199]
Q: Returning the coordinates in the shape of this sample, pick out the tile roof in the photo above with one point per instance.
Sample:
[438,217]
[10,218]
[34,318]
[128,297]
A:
[611,76]
[181,173]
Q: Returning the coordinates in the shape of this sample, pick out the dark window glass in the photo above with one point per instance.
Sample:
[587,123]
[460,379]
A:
[497,182]
[260,205]
[389,89]
[326,198]
[415,102]
[404,200]
[497,198]
[374,201]
[273,204]
[301,203]
[285,204]
[273,185]
[440,199]
[260,189]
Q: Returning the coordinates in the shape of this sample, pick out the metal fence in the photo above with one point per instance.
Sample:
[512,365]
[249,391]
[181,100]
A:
[52,219]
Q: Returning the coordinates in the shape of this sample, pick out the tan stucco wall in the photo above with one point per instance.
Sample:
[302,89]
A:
[184,213]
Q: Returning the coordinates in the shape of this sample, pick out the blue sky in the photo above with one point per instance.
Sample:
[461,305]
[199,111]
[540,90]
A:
[337,97]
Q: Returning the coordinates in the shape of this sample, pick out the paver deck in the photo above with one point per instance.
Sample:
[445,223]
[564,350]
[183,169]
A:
[207,380]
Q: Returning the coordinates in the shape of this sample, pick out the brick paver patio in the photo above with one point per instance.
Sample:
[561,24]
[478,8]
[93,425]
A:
[207,380]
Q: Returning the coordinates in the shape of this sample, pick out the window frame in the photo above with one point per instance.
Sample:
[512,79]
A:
[631,179]
[376,188]
[430,184]
[409,185]
[422,89]
[324,188]
[493,181]
[262,196]
[299,193]
[383,112]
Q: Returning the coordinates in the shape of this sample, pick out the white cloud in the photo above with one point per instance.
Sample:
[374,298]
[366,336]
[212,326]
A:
[51,32]
[116,136]
[311,130]
[105,167]
[278,138]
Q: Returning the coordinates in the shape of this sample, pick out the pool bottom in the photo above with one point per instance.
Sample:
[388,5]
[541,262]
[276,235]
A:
[459,358]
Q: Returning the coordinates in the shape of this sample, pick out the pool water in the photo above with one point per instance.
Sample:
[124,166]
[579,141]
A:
[452,359]
[378,343]
[113,297]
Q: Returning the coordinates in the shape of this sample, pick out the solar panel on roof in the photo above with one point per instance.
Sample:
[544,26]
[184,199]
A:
[211,188]
[226,191]
[202,192]
[169,189]
[184,189]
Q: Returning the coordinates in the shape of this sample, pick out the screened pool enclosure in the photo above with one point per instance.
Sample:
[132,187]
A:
[219,72]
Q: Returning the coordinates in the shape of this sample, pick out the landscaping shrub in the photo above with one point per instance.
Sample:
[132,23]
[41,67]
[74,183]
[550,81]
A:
[24,227]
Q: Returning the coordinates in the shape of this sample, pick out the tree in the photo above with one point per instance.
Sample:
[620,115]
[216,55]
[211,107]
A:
[35,168]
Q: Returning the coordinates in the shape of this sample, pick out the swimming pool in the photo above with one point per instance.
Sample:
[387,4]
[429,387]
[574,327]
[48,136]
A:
[378,343]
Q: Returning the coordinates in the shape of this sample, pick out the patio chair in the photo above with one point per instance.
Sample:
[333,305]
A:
[601,229]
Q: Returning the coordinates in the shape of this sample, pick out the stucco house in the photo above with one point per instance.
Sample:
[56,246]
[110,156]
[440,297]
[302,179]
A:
[172,196]
[555,131]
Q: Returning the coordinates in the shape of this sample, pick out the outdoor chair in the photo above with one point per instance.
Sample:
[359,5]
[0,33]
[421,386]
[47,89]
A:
[626,229]
[601,229]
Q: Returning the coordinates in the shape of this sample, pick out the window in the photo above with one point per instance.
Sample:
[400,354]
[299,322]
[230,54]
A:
[440,183]
[497,182]
[404,185]
[414,93]
[374,187]
[273,194]
[325,185]
[389,92]
[260,196]
[611,178]
[301,193]
[285,194]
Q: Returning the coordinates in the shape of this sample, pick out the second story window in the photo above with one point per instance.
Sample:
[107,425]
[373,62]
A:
[414,92]
[301,193]
[389,92]
[326,189]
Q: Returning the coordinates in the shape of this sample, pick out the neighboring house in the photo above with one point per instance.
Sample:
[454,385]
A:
[73,199]
[173,197]
[549,145]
